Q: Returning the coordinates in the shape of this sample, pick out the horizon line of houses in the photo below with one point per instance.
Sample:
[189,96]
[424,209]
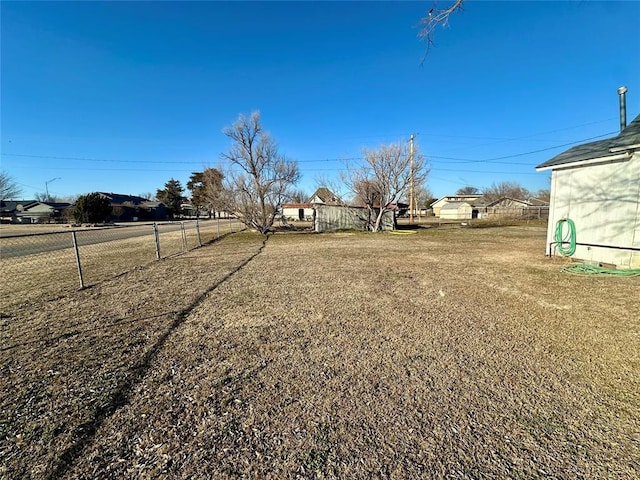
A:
[127,208]
[448,207]
[124,208]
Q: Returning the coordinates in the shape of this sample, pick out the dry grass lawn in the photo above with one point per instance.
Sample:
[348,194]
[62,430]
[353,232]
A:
[460,353]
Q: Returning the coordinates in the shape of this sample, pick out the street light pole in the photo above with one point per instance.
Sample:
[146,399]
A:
[46,186]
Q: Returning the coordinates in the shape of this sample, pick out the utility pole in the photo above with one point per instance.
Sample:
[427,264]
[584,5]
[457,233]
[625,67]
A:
[46,186]
[411,185]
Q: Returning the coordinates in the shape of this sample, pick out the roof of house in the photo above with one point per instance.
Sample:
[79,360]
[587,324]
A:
[119,198]
[538,202]
[629,137]
[297,205]
[508,199]
[56,205]
[11,205]
[151,204]
[326,196]
[457,198]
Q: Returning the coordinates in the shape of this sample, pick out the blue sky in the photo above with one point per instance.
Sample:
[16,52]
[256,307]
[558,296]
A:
[122,96]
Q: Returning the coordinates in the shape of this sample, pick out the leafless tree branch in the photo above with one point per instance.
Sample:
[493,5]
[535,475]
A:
[265,177]
[9,188]
[384,179]
[436,17]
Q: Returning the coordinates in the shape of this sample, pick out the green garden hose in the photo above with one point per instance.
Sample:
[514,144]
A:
[570,238]
[582,269]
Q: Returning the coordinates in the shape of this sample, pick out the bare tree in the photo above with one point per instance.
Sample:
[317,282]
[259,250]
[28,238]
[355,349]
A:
[543,194]
[147,196]
[468,190]
[422,197]
[366,192]
[506,189]
[9,188]
[260,177]
[44,197]
[436,17]
[385,179]
[298,195]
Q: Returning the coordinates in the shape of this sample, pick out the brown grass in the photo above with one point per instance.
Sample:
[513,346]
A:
[445,354]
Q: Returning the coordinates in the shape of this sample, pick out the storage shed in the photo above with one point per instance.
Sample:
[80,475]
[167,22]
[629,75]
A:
[456,211]
[442,201]
[597,186]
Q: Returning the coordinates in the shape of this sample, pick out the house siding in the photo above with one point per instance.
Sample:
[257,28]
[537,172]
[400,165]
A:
[292,213]
[461,211]
[441,202]
[603,200]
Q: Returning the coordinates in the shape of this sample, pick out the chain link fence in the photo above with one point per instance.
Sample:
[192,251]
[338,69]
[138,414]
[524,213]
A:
[44,264]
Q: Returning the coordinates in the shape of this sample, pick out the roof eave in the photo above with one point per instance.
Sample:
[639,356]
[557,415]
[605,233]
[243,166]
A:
[624,147]
[591,161]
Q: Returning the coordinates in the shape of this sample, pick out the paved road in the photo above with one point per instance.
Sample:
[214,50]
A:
[20,246]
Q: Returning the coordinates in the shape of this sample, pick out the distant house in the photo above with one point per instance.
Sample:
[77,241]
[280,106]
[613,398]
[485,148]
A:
[509,203]
[442,201]
[324,196]
[506,207]
[538,202]
[10,210]
[297,211]
[597,186]
[128,208]
[44,212]
[516,208]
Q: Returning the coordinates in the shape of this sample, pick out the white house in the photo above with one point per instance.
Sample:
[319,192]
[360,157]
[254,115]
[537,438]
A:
[297,211]
[442,201]
[43,212]
[597,186]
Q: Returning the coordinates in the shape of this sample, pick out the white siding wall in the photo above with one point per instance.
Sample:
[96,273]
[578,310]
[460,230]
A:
[462,212]
[604,203]
[294,212]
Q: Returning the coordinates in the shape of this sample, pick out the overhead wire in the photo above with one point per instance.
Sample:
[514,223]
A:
[450,160]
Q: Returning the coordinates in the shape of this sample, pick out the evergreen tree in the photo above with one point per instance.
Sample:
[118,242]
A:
[171,196]
[92,208]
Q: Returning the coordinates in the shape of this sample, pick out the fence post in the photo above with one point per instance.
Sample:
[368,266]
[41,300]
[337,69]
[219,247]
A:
[77,252]
[184,237]
[156,239]
[218,231]
[198,232]
[230,229]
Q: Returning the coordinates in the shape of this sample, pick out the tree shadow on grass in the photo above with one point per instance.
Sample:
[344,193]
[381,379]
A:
[85,433]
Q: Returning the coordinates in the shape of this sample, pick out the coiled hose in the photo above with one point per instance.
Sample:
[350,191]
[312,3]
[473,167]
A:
[570,238]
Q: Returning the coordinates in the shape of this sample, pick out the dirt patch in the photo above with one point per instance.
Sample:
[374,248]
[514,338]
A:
[438,354]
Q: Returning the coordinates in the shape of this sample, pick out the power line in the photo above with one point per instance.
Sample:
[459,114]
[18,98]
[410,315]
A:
[86,159]
[337,159]
[508,139]
[179,162]
[466,160]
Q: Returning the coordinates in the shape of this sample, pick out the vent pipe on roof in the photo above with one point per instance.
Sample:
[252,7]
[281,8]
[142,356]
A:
[623,107]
